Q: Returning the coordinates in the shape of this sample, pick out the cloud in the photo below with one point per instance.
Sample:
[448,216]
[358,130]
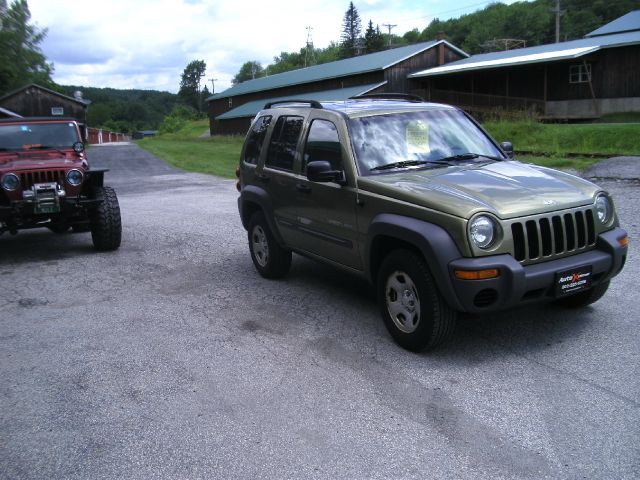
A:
[147,44]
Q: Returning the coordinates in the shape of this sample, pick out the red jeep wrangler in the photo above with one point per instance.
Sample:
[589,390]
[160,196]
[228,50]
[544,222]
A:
[46,181]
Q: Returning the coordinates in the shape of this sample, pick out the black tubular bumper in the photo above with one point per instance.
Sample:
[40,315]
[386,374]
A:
[67,205]
[519,284]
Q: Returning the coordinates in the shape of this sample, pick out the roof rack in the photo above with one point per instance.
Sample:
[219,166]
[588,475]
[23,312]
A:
[389,96]
[312,103]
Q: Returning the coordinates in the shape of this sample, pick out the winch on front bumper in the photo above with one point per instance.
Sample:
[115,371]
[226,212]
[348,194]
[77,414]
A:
[45,204]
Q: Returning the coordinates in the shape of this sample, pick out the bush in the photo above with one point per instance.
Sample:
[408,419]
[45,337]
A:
[179,116]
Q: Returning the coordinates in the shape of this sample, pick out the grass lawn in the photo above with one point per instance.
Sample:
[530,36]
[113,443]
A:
[546,144]
[556,139]
[189,151]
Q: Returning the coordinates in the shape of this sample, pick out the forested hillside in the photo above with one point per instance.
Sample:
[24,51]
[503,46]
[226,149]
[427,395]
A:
[125,110]
[533,22]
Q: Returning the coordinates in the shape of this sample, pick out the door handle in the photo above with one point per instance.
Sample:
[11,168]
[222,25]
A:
[303,187]
[263,178]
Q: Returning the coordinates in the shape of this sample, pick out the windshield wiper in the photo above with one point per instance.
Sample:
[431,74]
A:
[469,156]
[407,163]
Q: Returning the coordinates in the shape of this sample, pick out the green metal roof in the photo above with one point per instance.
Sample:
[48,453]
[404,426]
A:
[538,54]
[341,68]
[625,23]
[250,109]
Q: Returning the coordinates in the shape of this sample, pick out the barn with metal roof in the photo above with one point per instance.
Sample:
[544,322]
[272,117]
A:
[231,111]
[578,79]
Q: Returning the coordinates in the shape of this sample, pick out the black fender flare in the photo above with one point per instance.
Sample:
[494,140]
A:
[434,243]
[257,196]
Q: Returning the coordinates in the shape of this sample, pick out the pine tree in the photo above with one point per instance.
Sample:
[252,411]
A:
[351,32]
[373,40]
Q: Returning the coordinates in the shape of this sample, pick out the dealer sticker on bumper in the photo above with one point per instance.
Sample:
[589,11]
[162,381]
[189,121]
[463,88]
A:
[572,281]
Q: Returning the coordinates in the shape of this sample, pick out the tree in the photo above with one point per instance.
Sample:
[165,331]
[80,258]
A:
[189,91]
[249,71]
[351,32]
[373,40]
[21,60]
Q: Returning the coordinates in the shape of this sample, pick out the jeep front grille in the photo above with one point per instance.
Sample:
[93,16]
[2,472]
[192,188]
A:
[28,179]
[559,234]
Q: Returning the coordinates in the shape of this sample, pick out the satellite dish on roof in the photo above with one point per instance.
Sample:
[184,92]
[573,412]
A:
[77,95]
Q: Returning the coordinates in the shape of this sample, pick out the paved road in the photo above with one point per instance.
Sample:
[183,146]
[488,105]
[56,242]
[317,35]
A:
[171,358]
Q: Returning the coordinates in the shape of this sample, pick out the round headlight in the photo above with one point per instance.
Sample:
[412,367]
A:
[10,181]
[74,177]
[603,208]
[482,231]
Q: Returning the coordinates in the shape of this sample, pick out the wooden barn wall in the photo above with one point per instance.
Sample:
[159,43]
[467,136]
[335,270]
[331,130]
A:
[396,76]
[615,74]
[34,102]
[219,106]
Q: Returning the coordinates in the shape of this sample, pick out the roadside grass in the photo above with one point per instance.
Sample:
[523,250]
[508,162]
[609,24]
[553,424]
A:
[188,150]
[560,140]
[563,146]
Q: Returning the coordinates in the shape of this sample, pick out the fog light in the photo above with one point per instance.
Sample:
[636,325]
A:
[477,274]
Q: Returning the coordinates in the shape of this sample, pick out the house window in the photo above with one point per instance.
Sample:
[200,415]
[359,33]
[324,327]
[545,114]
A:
[580,73]
[230,102]
[57,111]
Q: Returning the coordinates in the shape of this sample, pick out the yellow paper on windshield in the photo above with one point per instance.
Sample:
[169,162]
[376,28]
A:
[417,134]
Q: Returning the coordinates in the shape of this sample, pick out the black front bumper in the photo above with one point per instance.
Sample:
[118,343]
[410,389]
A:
[66,206]
[518,284]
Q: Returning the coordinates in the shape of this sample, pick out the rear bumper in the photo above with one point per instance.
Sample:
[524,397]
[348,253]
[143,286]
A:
[519,284]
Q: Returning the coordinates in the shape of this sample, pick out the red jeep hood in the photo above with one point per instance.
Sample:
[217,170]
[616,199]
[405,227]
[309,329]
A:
[37,160]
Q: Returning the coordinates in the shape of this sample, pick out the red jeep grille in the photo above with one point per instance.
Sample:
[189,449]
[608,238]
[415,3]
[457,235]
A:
[27,179]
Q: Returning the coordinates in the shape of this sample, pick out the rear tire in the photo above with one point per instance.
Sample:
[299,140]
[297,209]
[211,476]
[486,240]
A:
[585,298]
[106,225]
[414,312]
[269,258]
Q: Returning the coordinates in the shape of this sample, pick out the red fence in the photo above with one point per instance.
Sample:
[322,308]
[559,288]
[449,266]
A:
[97,135]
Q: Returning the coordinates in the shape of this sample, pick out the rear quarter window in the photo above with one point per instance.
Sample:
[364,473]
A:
[255,139]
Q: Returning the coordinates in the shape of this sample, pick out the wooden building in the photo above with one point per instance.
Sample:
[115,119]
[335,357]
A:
[231,111]
[575,80]
[36,101]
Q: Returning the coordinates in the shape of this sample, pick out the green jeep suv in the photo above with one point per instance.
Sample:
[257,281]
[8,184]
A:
[420,200]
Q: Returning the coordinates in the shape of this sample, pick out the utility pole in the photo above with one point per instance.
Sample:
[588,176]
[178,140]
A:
[212,86]
[309,54]
[558,13]
[389,26]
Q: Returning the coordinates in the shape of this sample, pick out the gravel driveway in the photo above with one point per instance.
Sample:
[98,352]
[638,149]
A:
[171,358]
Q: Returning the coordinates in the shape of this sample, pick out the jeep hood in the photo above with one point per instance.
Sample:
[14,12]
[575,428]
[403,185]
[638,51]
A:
[37,160]
[508,189]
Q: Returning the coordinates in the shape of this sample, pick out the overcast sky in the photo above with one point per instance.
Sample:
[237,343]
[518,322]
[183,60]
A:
[147,43]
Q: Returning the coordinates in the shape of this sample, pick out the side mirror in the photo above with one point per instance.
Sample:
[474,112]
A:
[322,171]
[508,148]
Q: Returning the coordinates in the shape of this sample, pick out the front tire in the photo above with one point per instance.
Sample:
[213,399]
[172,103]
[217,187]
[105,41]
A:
[269,258]
[414,312]
[106,225]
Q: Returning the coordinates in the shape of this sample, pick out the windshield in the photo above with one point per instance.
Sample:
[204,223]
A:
[38,135]
[417,140]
